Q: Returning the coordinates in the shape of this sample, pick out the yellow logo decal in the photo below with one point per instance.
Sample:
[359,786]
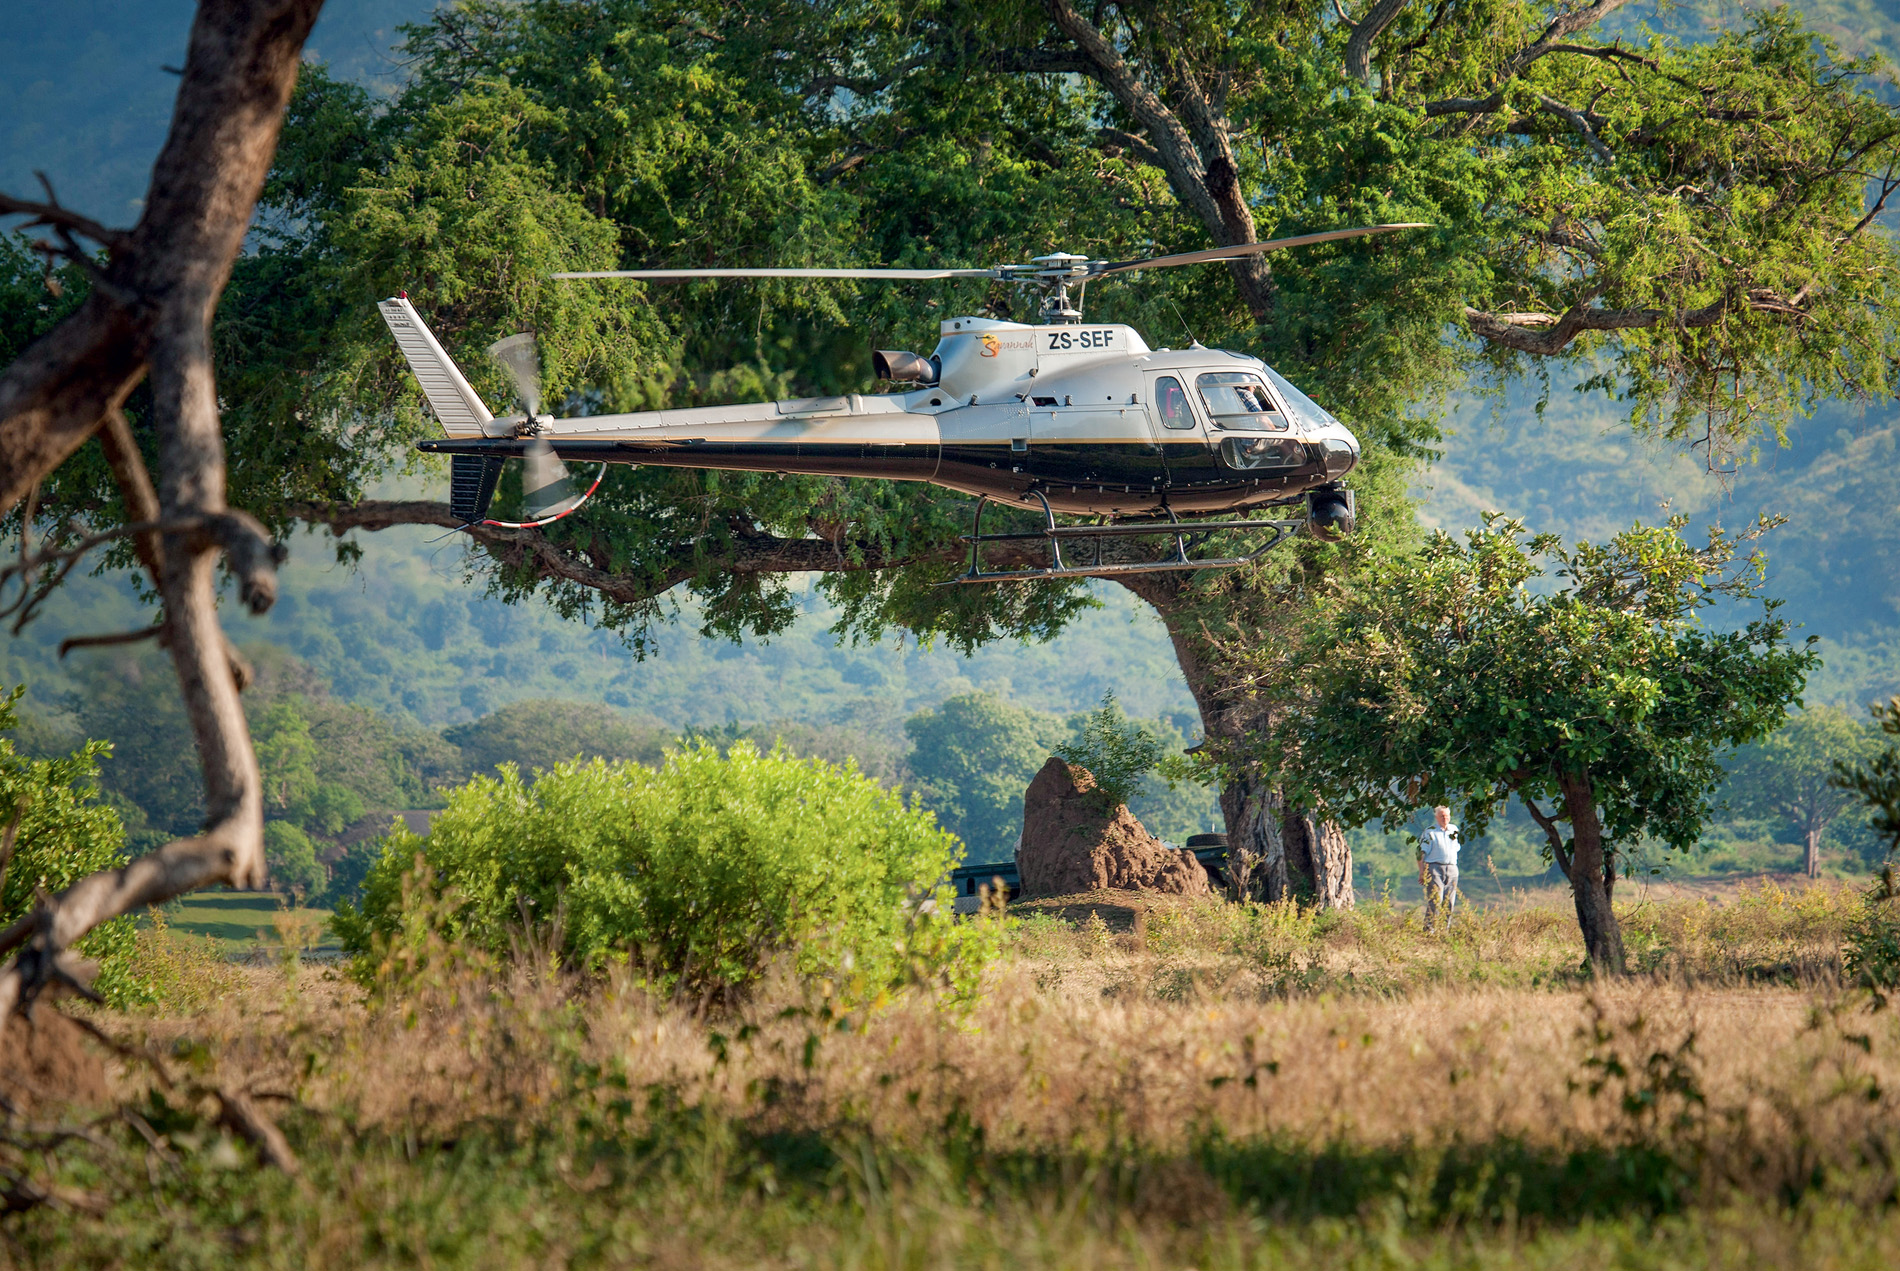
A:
[990,345]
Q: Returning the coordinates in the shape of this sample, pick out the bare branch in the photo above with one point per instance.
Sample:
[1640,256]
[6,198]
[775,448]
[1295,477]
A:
[50,213]
[154,632]
[1547,824]
[238,1114]
[135,484]
[1112,140]
[66,555]
[153,309]
[1887,186]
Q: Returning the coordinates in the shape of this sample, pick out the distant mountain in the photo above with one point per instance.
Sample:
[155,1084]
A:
[405,633]
[1579,469]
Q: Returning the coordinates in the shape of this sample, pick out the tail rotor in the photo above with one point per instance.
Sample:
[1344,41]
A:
[547,486]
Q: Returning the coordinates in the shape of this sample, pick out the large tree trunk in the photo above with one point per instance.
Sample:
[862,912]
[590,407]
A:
[151,307]
[1251,806]
[1591,876]
[1811,858]
[1319,860]
[1256,844]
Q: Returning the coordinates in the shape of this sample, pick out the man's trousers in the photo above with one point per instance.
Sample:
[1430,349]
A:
[1441,889]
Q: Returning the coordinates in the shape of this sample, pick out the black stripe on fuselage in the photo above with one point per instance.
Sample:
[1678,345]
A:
[1091,478]
[843,459]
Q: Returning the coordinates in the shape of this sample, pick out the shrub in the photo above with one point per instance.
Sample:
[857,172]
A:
[180,972]
[1118,752]
[54,832]
[704,870]
[1870,957]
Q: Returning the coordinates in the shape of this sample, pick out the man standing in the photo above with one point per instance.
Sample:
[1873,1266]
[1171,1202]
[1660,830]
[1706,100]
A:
[1440,844]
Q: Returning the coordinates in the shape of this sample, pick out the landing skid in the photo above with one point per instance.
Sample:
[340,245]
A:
[1188,536]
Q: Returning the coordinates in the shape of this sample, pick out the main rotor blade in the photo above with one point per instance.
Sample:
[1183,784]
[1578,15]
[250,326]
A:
[517,353]
[1246,249]
[545,485]
[892,274]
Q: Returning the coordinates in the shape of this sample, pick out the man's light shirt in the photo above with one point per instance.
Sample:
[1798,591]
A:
[1441,845]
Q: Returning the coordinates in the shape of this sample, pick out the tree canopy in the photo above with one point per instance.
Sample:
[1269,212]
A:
[972,758]
[1602,702]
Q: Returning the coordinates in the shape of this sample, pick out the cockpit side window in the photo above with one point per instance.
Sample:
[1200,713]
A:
[1171,400]
[1239,401]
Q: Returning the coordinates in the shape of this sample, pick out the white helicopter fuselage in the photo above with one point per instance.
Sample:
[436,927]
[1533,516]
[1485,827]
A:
[1085,416]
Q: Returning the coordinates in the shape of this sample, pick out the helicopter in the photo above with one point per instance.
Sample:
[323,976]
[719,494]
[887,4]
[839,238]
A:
[1062,417]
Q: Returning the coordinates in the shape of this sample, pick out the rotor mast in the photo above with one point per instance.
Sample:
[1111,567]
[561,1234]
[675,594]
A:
[1055,273]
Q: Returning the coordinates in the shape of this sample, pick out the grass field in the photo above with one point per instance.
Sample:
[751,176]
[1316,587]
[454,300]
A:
[1144,1083]
[241,921]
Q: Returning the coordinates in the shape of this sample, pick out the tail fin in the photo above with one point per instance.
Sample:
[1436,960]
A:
[453,401]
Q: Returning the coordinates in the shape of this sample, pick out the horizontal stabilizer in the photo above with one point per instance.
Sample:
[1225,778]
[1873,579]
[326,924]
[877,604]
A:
[453,401]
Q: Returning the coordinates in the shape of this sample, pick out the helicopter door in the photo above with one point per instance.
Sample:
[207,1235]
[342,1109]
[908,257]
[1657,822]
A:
[1190,456]
[1113,444]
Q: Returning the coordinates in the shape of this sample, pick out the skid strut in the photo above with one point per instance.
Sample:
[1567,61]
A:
[1187,536]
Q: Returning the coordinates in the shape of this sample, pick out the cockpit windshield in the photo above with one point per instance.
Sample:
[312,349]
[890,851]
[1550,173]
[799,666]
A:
[1313,417]
[1239,401]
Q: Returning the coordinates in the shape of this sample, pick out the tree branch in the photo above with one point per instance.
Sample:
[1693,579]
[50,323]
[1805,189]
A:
[1508,329]
[1551,832]
[1887,186]
[1549,42]
[1201,170]
[1114,139]
[224,130]
[52,214]
[863,86]
[1169,138]
[1039,61]
[1574,117]
[1364,32]
[532,551]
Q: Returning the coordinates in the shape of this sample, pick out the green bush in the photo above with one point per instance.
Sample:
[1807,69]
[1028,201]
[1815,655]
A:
[702,871]
[56,832]
[1870,955]
[1118,752]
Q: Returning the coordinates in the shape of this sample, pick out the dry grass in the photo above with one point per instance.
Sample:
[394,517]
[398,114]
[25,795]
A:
[1145,1086]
